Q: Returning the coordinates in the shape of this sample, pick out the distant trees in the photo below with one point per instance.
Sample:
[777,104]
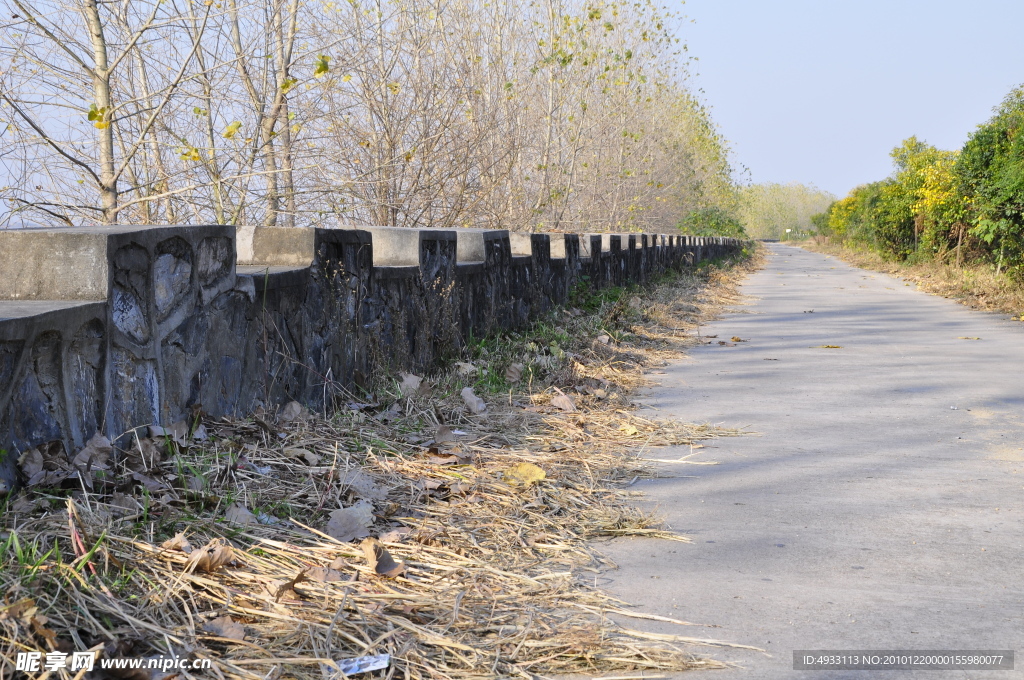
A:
[768,210]
[527,114]
[946,205]
[713,222]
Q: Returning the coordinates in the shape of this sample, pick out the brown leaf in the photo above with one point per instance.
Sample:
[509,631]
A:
[306,455]
[211,557]
[323,574]
[352,522]
[31,463]
[465,369]
[475,404]
[443,434]
[413,385]
[19,608]
[225,627]
[285,587]
[564,402]
[50,478]
[152,484]
[178,542]
[95,454]
[25,504]
[514,373]
[145,456]
[38,624]
[380,560]
[178,432]
[291,411]
[364,486]
[395,535]
[239,514]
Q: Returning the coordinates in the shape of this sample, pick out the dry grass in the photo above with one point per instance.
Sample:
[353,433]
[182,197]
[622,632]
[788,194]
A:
[495,575]
[974,285]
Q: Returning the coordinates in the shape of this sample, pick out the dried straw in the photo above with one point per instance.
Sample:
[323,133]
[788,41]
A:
[499,573]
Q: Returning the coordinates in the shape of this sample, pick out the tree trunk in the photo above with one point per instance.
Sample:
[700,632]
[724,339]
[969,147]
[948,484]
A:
[102,100]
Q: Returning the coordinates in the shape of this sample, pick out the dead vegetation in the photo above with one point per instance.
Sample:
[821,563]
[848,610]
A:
[442,520]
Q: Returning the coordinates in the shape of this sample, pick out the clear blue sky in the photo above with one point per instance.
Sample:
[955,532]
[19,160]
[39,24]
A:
[820,91]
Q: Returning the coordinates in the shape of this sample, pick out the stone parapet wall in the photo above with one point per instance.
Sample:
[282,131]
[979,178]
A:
[112,328]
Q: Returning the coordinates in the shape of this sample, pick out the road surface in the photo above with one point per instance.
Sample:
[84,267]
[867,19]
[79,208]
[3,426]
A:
[880,506]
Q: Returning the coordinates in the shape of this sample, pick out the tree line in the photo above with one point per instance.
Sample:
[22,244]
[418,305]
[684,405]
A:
[526,114]
[949,206]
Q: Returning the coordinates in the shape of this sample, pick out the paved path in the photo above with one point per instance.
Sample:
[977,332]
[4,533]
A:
[882,505]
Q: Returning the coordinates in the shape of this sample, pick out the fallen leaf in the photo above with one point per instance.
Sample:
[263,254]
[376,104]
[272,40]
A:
[443,434]
[563,402]
[443,460]
[364,485]
[38,624]
[395,535]
[963,337]
[19,609]
[95,454]
[629,430]
[524,474]
[737,338]
[145,456]
[380,560]
[465,369]
[239,514]
[25,504]
[352,522]
[195,484]
[413,385]
[603,339]
[148,482]
[225,627]
[291,411]
[305,454]
[211,556]
[283,587]
[323,574]
[514,373]
[827,347]
[178,432]
[177,542]
[31,463]
[474,403]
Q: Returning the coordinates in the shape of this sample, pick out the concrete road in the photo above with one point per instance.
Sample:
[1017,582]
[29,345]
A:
[881,506]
